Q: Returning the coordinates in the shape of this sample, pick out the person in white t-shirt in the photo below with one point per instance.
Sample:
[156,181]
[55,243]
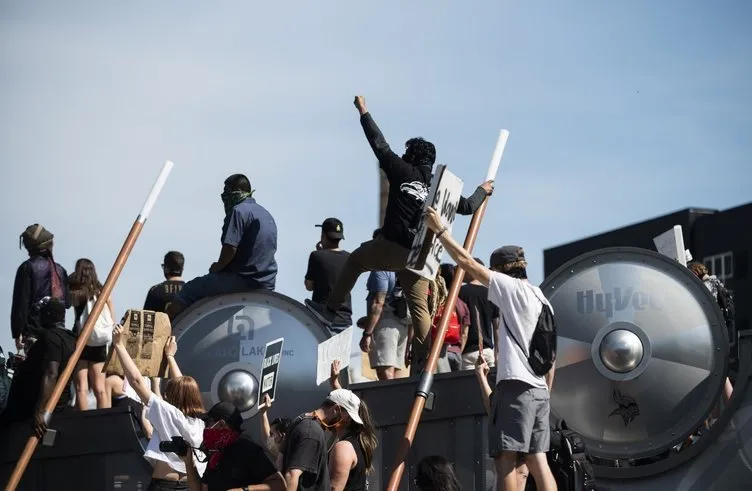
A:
[519,420]
[177,415]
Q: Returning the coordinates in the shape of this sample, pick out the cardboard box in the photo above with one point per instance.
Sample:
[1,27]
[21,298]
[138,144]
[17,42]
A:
[148,332]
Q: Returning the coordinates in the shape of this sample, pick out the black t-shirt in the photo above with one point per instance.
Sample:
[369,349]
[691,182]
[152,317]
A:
[476,298]
[243,463]
[306,449]
[324,267]
[162,294]
[408,187]
[52,345]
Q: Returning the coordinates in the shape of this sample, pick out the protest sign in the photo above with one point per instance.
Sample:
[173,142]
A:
[270,369]
[671,244]
[337,347]
[147,333]
[426,253]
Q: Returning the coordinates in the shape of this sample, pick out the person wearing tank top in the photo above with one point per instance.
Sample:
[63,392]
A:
[351,457]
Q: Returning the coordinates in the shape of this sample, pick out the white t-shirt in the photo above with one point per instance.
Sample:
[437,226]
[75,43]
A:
[168,421]
[520,305]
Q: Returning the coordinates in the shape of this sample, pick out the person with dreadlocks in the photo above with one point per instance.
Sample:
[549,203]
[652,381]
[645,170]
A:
[409,182]
[249,244]
[437,297]
[37,277]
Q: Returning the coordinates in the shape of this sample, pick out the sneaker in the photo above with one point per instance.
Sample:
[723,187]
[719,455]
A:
[323,313]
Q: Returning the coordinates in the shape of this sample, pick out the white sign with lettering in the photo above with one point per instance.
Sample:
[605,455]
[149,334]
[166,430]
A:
[427,251]
[671,244]
[337,347]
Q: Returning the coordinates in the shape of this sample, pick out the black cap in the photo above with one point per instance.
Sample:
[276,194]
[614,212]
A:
[333,228]
[225,411]
[507,254]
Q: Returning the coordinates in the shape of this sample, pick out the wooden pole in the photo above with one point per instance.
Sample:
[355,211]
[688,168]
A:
[424,386]
[109,284]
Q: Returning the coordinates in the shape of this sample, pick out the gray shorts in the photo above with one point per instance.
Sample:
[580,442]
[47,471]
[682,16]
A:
[389,343]
[519,419]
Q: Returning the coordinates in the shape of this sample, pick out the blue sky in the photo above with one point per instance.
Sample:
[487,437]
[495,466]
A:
[617,111]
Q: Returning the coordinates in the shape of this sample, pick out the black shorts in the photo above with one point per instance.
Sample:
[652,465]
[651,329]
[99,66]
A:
[94,354]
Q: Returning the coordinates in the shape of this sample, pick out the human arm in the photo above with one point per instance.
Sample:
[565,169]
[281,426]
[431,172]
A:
[266,428]
[481,372]
[130,370]
[378,286]
[469,205]
[111,307]
[310,275]
[341,460]
[46,385]
[302,452]
[19,312]
[550,377]
[496,321]
[192,476]
[389,161]
[292,478]
[145,424]
[275,482]
[334,376]
[463,258]
[171,348]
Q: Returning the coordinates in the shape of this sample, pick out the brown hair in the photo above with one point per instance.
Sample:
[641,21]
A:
[184,394]
[366,435]
[84,284]
[699,269]
[516,269]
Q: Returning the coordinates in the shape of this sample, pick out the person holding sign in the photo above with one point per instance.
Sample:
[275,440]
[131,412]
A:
[409,181]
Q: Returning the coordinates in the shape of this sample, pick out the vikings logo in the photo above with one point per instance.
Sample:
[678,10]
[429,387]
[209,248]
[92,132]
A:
[627,409]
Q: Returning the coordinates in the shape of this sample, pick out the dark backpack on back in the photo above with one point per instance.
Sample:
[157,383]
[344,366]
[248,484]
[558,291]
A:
[541,354]
[725,301]
[568,461]
[398,302]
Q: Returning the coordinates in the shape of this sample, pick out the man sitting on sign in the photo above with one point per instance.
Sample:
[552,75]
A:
[249,243]
[409,181]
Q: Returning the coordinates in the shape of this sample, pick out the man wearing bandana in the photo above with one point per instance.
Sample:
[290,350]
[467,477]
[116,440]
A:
[249,244]
[236,462]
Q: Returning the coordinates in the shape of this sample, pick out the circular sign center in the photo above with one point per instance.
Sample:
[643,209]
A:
[621,351]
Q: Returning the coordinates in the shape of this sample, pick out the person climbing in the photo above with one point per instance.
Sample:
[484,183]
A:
[409,182]
[36,278]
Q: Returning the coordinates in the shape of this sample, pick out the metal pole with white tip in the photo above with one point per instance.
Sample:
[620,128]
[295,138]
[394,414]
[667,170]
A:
[88,327]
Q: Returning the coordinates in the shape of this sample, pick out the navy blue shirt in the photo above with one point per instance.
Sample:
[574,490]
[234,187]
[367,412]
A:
[252,230]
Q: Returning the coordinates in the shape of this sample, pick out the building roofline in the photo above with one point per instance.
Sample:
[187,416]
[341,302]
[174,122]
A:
[707,211]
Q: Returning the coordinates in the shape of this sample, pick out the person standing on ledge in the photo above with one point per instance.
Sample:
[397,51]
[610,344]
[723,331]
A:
[249,244]
[409,182]
[325,265]
[162,294]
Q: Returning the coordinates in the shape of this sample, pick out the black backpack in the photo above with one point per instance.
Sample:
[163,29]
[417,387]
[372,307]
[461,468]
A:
[541,354]
[568,461]
[725,300]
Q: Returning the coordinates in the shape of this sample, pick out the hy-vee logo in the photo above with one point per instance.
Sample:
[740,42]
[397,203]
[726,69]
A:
[609,302]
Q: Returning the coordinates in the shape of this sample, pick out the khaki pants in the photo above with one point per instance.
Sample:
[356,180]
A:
[384,255]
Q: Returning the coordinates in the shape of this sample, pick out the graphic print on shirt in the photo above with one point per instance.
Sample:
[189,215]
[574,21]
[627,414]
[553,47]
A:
[416,189]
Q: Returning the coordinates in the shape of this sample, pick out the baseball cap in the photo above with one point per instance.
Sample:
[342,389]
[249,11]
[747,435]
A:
[227,412]
[333,228]
[507,254]
[347,401]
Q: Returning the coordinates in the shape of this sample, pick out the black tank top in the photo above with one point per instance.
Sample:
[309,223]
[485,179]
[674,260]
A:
[356,480]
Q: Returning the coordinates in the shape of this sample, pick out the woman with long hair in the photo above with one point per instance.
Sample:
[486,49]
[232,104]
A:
[178,414]
[84,290]
[435,473]
[351,457]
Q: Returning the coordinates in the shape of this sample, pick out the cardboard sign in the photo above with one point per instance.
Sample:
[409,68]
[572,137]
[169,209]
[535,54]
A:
[270,369]
[337,347]
[426,253]
[671,244]
[147,332]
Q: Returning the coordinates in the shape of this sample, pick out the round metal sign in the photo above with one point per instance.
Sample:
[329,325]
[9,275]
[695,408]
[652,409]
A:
[221,343]
[641,355]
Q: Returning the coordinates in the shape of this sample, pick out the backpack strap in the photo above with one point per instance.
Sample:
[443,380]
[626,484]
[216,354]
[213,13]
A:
[524,351]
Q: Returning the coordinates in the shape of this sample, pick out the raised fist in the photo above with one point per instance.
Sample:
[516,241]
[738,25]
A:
[360,104]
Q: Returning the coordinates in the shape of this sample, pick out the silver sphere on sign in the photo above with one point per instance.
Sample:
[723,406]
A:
[621,351]
[240,388]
